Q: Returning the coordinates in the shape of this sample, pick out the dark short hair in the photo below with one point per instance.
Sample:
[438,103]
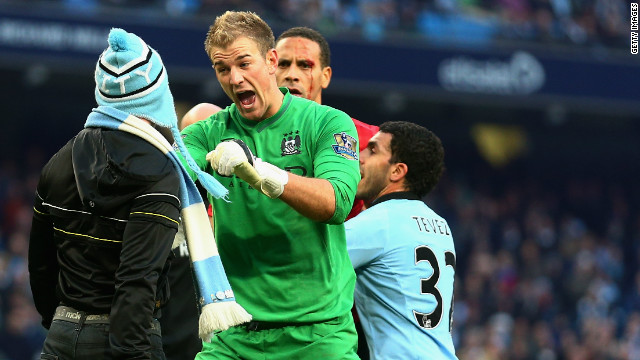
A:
[233,25]
[422,152]
[313,35]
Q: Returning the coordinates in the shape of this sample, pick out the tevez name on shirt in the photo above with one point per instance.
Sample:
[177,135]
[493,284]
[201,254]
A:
[436,226]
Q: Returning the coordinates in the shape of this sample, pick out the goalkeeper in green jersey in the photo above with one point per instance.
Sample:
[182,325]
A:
[291,167]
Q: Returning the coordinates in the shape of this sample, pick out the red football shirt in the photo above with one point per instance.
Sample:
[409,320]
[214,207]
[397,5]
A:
[365,132]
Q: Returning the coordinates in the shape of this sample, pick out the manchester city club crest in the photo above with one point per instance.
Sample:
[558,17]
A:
[290,143]
[346,146]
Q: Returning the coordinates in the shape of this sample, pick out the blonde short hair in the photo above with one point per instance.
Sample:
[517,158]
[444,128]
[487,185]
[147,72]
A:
[232,25]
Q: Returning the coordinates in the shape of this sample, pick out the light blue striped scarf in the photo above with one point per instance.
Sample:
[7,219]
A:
[218,307]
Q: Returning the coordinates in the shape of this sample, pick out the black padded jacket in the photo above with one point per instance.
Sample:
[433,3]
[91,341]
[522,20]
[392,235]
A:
[105,216]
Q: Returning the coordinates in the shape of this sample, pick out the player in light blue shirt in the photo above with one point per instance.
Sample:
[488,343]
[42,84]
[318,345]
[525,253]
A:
[402,251]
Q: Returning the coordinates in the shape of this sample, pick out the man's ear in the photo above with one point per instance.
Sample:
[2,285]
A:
[326,76]
[398,172]
[272,61]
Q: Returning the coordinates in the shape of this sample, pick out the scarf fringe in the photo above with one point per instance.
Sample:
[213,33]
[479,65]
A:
[220,316]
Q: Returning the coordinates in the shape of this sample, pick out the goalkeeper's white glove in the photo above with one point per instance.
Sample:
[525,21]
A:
[272,178]
[228,155]
[234,157]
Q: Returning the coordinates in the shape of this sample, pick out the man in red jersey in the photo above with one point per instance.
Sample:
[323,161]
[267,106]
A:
[304,60]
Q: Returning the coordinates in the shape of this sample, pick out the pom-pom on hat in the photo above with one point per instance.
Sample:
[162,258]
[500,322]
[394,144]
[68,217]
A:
[131,77]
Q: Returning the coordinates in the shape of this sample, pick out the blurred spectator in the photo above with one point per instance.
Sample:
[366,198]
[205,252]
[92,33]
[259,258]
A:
[21,335]
[595,23]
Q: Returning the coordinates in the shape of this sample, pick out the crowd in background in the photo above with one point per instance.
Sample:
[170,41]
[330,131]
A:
[21,335]
[544,270]
[591,23]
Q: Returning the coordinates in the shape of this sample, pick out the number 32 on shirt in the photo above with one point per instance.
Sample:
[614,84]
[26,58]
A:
[430,286]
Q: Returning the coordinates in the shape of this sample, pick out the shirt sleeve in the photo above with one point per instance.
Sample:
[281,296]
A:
[365,239]
[336,160]
[43,263]
[150,230]
[197,142]
[365,132]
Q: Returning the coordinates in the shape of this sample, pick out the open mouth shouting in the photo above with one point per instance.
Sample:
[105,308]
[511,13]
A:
[246,98]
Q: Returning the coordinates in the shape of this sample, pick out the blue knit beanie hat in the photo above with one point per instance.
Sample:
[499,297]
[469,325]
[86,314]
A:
[131,77]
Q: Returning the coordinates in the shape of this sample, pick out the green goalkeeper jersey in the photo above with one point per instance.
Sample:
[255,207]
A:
[282,266]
